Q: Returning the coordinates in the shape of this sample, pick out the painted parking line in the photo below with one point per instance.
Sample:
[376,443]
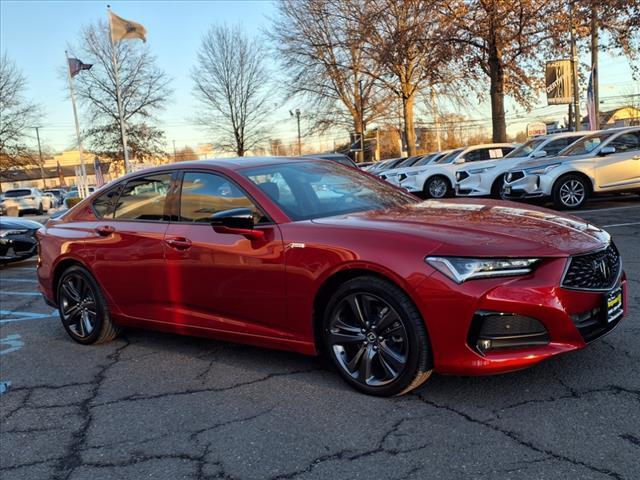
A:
[605,209]
[621,224]
[22,316]
[19,280]
[22,294]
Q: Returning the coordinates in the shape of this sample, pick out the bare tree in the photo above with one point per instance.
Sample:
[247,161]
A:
[185,154]
[231,84]
[504,40]
[321,44]
[407,42]
[16,116]
[144,88]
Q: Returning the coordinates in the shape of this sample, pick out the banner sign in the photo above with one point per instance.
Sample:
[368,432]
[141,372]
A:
[559,82]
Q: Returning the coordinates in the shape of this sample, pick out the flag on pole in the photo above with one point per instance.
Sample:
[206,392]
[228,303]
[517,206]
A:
[122,29]
[591,105]
[61,176]
[98,172]
[76,66]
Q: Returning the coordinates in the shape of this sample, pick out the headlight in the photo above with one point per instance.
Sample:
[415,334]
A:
[412,174]
[4,233]
[460,269]
[541,170]
[476,171]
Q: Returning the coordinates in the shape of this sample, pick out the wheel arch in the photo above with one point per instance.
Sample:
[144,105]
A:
[436,175]
[333,281]
[59,269]
[578,173]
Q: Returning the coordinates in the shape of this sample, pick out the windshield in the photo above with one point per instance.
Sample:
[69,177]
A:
[314,190]
[426,159]
[449,157]
[17,193]
[586,144]
[526,148]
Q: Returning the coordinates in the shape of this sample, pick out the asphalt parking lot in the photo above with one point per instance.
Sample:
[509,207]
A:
[151,405]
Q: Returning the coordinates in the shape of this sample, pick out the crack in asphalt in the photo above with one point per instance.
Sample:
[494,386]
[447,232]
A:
[69,462]
[520,441]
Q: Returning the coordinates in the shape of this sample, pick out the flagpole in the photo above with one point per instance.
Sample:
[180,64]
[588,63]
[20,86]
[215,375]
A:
[123,132]
[83,170]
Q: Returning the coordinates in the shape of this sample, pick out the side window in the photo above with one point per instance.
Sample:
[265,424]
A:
[476,155]
[143,198]
[626,141]
[205,194]
[552,148]
[105,204]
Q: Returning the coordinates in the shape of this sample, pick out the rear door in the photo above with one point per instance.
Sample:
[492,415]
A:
[620,170]
[128,245]
[223,281]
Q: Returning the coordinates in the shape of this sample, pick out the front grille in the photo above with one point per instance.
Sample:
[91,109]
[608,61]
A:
[401,177]
[513,176]
[593,271]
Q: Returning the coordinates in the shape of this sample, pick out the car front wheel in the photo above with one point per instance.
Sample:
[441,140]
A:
[83,308]
[570,192]
[376,337]
[437,187]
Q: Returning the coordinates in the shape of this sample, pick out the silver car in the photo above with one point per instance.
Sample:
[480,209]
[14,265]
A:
[605,161]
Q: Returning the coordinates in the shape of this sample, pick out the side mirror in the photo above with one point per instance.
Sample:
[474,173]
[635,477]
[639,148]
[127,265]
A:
[539,154]
[237,221]
[607,151]
[458,160]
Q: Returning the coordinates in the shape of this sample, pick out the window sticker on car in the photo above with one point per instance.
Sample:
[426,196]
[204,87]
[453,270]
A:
[495,153]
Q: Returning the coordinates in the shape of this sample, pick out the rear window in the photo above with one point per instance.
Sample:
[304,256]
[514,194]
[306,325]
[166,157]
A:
[17,193]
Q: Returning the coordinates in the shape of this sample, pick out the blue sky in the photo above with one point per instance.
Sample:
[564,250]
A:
[35,34]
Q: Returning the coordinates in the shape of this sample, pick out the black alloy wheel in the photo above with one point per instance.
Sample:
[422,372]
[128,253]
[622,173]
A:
[83,309]
[376,337]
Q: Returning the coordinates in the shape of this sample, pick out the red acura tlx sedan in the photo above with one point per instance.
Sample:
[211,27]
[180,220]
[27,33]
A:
[317,257]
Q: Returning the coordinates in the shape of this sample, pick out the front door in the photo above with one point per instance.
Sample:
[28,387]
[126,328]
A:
[620,170]
[223,281]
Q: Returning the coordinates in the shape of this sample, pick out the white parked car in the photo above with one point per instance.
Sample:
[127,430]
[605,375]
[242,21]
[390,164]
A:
[51,199]
[25,199]
[437,178]
[486,178]
[391,175]
[605,161]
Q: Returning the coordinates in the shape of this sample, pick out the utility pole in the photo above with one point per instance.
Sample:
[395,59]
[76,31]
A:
[175,156]
[44,182]
[297,115]
[360,91]
[594,62]
[574,65]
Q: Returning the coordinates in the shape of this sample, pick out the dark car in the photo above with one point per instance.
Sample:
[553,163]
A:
[17,239]
[316,257]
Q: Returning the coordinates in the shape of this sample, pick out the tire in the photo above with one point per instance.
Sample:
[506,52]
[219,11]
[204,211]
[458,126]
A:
[496,188]
[398,351]
[40,209]
[102,329]
[570,192]
[437,187]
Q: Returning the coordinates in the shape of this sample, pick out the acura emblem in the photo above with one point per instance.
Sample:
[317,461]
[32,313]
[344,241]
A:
[601,267]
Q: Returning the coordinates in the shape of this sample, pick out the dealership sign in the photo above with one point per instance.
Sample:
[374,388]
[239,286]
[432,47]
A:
[559,82]
[536,128]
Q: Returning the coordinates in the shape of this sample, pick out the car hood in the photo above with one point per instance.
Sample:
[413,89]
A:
[547,160]
[483,228]
[18,224]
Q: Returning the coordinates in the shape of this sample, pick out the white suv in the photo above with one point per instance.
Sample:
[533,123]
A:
[25,199]
[437,178]
[605,161]
[486,178]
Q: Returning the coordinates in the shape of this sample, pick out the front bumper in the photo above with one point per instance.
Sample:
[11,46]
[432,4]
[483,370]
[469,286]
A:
[450,310]
[528,186]
[472,186]
[409,183]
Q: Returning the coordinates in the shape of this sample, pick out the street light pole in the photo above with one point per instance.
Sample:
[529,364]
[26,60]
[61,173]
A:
[297,115]
[44,182]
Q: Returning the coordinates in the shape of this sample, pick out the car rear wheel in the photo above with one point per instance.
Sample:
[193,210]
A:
[83,309]
[376,337]
[570,192]
[437,187]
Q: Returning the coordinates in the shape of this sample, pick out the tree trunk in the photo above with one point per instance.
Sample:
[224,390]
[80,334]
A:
[496,74]
[409,132]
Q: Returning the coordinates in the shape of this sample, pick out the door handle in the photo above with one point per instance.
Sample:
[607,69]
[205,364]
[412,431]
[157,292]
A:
[179,243]
[105,230]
